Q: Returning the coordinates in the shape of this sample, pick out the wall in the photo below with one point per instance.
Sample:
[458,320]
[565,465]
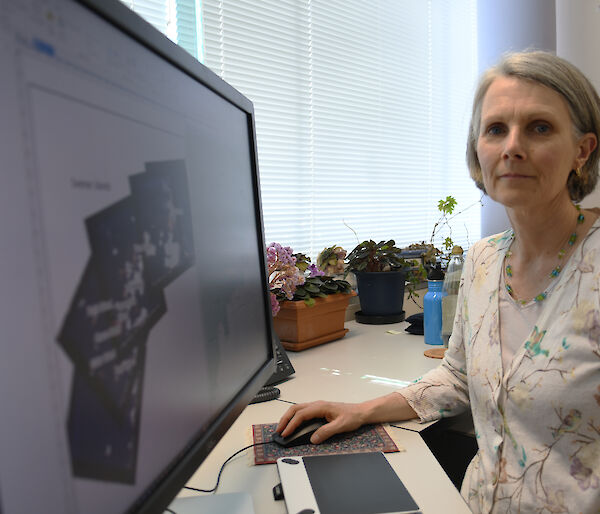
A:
[578,40]
[511,25]
[570,28]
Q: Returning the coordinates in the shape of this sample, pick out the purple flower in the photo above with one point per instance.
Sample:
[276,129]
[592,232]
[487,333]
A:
[274,305]
[315,271]
[279,254]
[284,276]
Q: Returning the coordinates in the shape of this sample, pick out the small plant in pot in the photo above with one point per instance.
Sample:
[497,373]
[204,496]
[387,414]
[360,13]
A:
[292,277]
[331,260]
[430,255]
[381,274]
[308,306]
[317,282]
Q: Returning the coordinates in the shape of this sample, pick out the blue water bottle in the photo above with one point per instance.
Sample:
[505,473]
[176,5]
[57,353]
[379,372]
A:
[432,307]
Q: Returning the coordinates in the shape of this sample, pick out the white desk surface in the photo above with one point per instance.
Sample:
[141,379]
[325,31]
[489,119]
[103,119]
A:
[343,370]
[368,362]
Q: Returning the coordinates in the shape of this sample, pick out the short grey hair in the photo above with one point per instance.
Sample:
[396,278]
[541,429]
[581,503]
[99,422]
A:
[564,78]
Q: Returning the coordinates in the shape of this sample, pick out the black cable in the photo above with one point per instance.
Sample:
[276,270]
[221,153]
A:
[214,489]
[171,511]
[285,401]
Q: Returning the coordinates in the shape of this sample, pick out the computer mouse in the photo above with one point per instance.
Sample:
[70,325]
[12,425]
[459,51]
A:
[301,435]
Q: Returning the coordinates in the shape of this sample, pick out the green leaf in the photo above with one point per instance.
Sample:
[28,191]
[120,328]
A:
[447,206]
[301,294]
[311,288]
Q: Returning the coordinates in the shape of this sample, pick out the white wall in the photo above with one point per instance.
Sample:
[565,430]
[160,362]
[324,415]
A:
[511,25]
[578,40]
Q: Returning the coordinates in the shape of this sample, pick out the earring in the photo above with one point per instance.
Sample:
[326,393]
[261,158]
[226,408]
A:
[578,172]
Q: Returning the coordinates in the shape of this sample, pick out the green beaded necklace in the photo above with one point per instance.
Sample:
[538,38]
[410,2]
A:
[554,273]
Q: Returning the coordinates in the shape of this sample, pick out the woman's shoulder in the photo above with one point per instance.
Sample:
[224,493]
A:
[492,243]
[596,224]
[595,210]
[592,237]
[488,250]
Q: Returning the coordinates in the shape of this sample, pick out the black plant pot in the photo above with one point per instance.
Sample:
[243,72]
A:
[381,296]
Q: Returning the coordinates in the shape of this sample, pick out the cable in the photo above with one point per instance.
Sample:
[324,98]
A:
[214,489]
[285,401]
[267,393]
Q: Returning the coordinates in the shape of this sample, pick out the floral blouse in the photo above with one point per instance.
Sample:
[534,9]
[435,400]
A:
[537,423]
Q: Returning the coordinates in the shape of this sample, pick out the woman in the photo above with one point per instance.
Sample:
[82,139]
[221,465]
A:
[524,354]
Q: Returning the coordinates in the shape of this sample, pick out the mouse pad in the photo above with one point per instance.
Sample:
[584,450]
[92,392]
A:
[368,438]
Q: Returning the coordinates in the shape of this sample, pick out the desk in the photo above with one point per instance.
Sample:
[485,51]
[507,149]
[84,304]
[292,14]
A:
[367,363]
[343,370]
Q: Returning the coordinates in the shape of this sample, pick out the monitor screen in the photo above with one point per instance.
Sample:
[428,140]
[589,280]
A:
[134,311]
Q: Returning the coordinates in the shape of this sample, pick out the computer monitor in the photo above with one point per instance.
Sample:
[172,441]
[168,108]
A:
[133,305]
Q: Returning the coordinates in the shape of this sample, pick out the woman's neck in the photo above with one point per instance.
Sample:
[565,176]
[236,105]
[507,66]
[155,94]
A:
[542,232]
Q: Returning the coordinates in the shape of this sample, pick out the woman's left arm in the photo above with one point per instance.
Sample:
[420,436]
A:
[444,391]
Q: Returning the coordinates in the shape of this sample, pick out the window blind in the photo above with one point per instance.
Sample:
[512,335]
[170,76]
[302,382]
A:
[362,113]
[155,12]
[361,110]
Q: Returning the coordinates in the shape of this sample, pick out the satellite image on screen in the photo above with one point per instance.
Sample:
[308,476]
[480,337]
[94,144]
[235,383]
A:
[139,245]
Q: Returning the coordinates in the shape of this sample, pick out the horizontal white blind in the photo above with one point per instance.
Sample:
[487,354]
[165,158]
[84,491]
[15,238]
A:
[155,12]
[361,113]
[372,116]
[264,49]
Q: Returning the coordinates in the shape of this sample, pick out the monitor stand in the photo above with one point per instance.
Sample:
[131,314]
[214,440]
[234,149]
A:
[229,503]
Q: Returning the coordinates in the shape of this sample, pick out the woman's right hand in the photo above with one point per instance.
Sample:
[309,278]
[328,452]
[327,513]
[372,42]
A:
[341,417]
[345,417]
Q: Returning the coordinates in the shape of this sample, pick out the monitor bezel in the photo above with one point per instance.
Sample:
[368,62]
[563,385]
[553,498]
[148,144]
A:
[165,487]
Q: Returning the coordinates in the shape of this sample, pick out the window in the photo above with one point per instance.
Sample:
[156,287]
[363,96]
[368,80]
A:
[180,20]
[362,112]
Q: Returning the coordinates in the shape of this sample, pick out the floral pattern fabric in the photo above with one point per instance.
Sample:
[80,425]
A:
[537,423]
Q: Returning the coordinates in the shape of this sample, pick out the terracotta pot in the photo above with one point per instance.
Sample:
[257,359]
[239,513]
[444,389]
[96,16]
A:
[300,327]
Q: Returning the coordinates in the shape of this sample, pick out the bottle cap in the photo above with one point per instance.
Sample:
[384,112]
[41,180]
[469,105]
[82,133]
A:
[436,274]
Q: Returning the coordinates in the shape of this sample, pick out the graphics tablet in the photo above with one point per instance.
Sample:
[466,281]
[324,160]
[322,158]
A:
[359,483]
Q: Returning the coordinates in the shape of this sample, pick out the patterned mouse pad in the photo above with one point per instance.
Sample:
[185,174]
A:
[368,438]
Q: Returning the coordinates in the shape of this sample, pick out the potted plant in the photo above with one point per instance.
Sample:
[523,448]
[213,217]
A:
[331,260]
[381,272]
[308,306]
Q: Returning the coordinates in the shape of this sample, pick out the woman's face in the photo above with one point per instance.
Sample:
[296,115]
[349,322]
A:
[527,145]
